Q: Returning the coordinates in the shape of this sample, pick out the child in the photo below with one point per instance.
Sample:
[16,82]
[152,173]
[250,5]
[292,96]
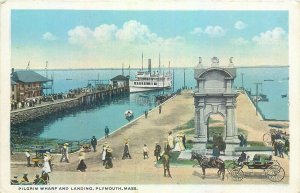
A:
[145,150]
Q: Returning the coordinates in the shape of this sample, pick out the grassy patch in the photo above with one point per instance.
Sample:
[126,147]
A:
[187,125]
[174,160]
[210,120]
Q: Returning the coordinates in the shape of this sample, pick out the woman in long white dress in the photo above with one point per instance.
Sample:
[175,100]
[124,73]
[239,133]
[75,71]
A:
[46,167]
[171,140]
[177,146]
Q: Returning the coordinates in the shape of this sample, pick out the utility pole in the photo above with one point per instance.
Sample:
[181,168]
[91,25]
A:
[142,61]
[184,78]
[256,99]
[243,81]
[173,79]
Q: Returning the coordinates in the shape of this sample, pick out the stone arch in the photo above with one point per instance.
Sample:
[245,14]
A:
[214,94]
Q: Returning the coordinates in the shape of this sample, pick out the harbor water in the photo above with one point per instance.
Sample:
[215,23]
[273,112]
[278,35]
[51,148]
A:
[88,122]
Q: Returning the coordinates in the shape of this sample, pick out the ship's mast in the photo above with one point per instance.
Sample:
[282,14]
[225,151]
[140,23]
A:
[159,62]
[142,61]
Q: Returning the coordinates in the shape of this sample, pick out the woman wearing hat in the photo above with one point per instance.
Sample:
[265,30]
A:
[105,146]
[81,165]
[108,158]
[46,167]
[126,154]
[64,153]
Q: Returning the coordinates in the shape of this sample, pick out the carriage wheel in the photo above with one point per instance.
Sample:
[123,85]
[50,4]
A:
[231,166]
[275,173]
[275,162]
[267,138]
[237,174]
[40,164]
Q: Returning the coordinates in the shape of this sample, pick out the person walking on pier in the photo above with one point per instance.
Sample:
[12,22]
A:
[126,154]
[108,158]
[166,163]
[145,151]
[81,165]
[106,130]
[27,154]
[157,151]
[94,143]
[105,146]
[46,167]
[64,153]
[146,114]
[159,109]
[171,140]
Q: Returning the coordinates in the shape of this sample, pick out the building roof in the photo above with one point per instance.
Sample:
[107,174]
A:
[120,78]
[12,82]
[28,76]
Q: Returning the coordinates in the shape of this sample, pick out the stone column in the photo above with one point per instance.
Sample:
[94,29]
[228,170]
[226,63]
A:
[200,138]
[231,139]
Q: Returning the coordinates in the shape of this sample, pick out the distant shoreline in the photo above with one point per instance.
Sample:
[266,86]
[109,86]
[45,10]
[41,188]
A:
[75,69]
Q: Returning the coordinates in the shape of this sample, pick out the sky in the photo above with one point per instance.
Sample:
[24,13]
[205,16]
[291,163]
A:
[110,39]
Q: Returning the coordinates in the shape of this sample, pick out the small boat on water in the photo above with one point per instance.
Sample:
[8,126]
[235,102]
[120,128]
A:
[268,80]
[68,78]
[283,95]
[129,115]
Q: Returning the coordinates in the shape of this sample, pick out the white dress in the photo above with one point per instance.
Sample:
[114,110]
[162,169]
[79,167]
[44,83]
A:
[103,153]
[177,146]
[170,141]
[46,167]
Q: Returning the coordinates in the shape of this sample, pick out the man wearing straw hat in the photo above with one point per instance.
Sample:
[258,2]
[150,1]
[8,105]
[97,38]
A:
[126,153]
[64,153]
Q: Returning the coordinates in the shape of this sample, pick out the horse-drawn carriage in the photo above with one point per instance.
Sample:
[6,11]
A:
[38,160]
[272,169]
[277,131]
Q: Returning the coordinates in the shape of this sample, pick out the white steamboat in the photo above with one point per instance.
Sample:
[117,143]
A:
[147,80]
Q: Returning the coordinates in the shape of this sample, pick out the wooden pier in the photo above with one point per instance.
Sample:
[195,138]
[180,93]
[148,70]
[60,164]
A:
[86,98]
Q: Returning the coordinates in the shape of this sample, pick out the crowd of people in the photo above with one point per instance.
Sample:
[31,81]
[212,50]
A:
[31,102]
[280,144]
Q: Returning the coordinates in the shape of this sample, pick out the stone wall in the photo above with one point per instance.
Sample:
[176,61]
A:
[28,114]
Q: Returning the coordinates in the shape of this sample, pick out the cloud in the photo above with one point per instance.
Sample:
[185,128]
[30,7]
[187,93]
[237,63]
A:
[131,32]
[104,33]
[240,25]
[197,31]
[81,35]
[275,36]
[212,31]
[240,41]
[49,36]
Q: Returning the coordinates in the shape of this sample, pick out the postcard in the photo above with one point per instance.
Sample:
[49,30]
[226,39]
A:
[143,96]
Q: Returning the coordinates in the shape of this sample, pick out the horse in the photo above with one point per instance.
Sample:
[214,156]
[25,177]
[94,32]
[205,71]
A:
[204,162]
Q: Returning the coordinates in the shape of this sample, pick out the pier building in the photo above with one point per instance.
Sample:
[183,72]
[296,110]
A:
[214,94]
[26,84]
[119,81]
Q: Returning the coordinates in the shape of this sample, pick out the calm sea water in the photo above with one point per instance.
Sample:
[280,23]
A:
[83,124]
